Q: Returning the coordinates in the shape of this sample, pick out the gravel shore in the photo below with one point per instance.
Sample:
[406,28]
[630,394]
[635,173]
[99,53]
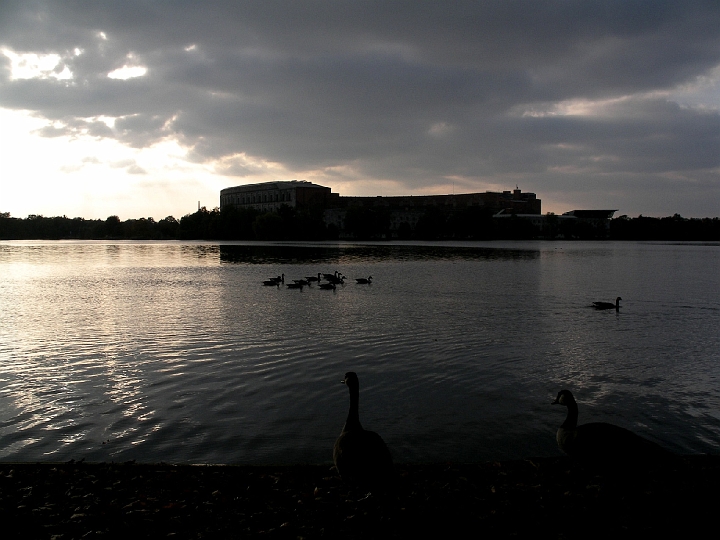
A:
[545,497]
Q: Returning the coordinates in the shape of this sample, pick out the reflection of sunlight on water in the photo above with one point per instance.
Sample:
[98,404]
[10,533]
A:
[176,352]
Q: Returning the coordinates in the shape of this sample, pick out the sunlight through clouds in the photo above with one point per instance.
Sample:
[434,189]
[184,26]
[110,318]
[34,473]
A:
[82,176]
[572,100]
[127,72]
[37,66]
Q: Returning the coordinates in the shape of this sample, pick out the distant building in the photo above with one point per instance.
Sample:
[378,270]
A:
[572,224]
[404,211]
[513,201]
[508,208]
[270,196]
[596,217]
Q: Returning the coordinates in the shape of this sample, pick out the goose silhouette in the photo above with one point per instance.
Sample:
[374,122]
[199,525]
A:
[600,440]
[363,281]
[608,305]
[361,456]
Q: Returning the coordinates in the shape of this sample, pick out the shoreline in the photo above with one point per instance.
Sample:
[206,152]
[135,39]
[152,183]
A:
[555,497]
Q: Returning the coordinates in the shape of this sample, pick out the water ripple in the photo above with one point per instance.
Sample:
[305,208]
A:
[176,352]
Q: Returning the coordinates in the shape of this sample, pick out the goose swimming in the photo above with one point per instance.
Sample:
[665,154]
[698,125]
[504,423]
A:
[608,305]
[363,281]
[360,456]
[599,439]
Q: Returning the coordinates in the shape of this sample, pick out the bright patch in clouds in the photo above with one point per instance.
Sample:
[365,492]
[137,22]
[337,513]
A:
[128,72]
[37,66]
[573,107]
[83,176]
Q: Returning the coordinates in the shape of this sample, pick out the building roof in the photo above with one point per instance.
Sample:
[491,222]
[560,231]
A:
[591,214]
[280,184]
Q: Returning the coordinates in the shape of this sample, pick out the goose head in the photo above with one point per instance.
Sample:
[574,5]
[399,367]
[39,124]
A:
[564,397]
[351,380]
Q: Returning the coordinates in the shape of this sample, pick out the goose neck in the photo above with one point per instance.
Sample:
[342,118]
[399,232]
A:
[572,416]
[353,418]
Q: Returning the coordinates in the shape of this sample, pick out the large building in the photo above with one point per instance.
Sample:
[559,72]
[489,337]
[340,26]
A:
[270,196]
[404,211]
[508,208]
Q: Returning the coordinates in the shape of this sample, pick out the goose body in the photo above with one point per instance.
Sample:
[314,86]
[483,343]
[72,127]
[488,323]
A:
[599,439]
[608,305]
[327,286]
[360,456]
[295,285]
[363,281]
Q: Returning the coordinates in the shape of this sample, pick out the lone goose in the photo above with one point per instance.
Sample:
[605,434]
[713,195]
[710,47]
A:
[599,439]
[360,456]
[363,281]
[608,305]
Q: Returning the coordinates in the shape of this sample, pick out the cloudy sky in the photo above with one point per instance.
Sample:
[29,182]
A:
[144,108]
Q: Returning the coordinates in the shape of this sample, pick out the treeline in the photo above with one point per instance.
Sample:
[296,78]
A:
[361,223]
[230,224]
[668,228]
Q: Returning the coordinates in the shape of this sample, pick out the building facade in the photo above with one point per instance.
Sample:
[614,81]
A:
[404,211]
[270,196]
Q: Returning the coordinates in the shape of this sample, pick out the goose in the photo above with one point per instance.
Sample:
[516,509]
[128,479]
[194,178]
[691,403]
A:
[314,278]
[302,281]
[608,305]
[295,286]
[271,282]
[337,278]
[362,281]
[360,456]
[327,286]
[279,279]
[598,439]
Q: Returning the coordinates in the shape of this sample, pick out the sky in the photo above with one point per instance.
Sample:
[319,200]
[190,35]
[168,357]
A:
[149,108]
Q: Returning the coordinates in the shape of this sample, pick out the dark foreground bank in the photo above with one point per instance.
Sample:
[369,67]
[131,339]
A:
[548,497]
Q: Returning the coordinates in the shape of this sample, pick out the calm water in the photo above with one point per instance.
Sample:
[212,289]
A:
[176,352]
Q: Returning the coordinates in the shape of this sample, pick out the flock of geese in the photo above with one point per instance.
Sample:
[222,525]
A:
[361,456]
[323,281]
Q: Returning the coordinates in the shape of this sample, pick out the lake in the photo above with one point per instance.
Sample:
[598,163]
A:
[176,352]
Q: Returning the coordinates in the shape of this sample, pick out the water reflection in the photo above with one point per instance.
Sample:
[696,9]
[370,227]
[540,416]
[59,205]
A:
[176,352]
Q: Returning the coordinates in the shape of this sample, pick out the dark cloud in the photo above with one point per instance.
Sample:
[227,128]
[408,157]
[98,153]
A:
[416,92]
